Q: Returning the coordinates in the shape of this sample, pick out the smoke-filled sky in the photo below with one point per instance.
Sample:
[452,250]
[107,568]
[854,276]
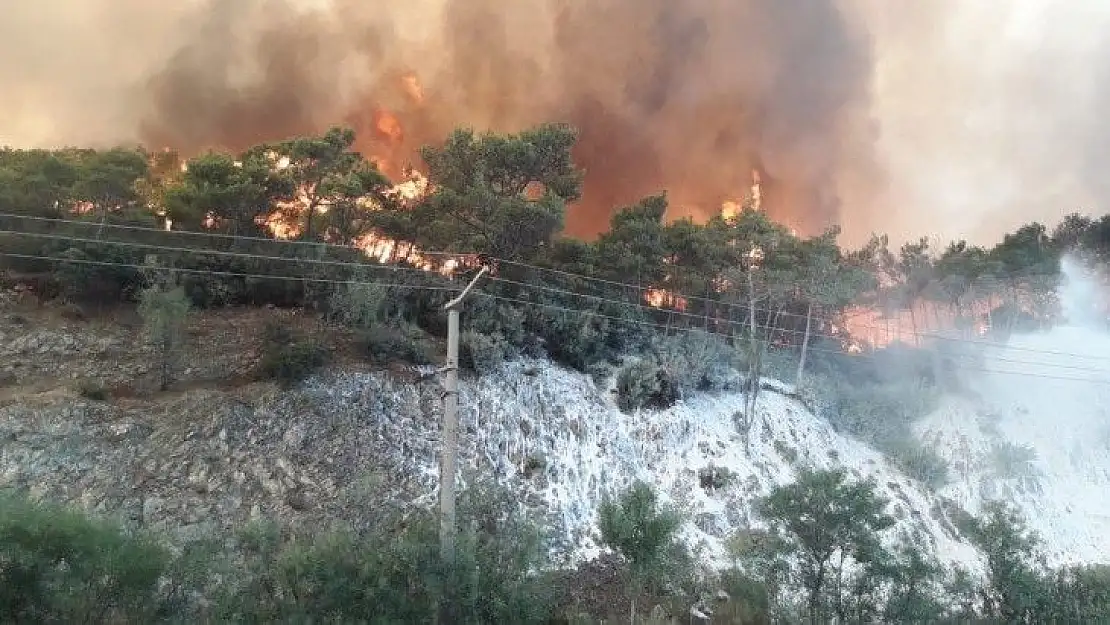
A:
[944,118]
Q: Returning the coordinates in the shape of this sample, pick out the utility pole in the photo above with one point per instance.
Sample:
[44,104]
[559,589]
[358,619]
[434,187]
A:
[448,460]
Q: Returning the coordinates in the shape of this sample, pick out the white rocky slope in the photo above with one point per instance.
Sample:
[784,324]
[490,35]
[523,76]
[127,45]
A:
[557,438]
[1036,431]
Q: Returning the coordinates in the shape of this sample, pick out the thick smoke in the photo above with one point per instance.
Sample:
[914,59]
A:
[944,118]
[992,113]
[685,97]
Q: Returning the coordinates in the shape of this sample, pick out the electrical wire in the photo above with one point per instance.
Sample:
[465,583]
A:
[215,235]
[576,311]
[731,305]
[228,274]
[193,250]
[818,350]
[637,306]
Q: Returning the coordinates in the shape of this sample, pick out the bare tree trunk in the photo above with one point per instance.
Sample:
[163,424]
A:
[805,346]
[755,366]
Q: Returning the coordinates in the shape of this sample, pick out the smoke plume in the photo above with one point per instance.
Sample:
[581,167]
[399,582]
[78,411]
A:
[926,120]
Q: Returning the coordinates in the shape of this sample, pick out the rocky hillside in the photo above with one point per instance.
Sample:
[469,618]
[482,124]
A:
[1037,434]
[81,422]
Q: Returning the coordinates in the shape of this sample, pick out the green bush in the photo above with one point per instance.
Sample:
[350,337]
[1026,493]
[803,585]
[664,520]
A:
[920,462]
[698,360]
[92,390]
[59,566]
[484,315]
[644,384]
[393,574]
[715,478]
[289,360]
[748,603]
[363,305]
[385,343]
[483,353]
[878,413]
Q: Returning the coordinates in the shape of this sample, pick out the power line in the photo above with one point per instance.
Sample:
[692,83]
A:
[731,305]
[216,235]
[187,250]
[811,349]
[794,332]
[637,306]
[229,274]
[574,311]
[640,306]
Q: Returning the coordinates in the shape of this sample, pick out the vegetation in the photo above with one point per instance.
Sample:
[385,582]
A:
[289,359]
[735,299]
[57,565]
[643,532]
[732,300]
[164,308]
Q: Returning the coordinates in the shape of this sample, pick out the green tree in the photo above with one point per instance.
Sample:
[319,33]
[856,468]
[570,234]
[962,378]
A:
[218,193]
[328,185]
[1079,594]
[164,308]
[825,515]
[57,566]
[36,182]
[634,248]
[763,557]
[915,588]
[764,256]
[643,532]
[107,181]
[1015,588]
[915,275]
[502,195]
[964,274]
[827,285]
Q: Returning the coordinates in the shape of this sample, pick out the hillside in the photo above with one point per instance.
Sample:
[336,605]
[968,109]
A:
[189,344]
[218,453]
[1036,433]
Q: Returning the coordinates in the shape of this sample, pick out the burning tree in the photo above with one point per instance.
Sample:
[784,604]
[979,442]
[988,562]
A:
[501,195]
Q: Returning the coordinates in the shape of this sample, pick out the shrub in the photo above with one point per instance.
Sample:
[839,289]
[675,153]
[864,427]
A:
[644,384]
[165,313]
[92,390]
[484,315]
[644,532]
[364,305]
[288,360]
[698,360]
[748,600]
[483,353]
[715,478]
[581,340]
[394,574]
[59,566]
[785,451]
[384,343]
[879,413]
[920,462]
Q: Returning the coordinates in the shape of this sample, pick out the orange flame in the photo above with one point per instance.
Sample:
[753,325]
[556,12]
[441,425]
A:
[410,84]
[662,298]
[388,126]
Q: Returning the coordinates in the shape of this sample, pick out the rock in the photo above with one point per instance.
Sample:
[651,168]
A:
[7,378]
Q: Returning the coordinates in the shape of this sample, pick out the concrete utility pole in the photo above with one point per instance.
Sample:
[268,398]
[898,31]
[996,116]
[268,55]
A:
[448,459]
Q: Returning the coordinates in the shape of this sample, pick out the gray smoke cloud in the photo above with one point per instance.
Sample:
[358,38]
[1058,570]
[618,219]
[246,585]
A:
[942,118]
[992,114]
